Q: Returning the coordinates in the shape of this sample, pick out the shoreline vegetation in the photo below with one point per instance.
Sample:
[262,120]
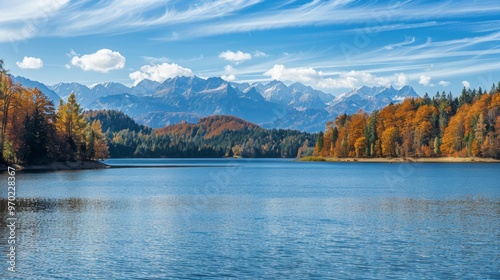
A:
[402,160]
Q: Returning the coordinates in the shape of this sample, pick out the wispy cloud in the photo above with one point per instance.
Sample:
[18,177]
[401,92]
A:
[408,41]
[68,19]
[23,20]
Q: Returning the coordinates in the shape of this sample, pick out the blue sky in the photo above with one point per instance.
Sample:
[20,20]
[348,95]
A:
[331,45]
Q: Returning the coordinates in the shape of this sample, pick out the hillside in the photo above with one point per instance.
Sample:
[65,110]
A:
[212,126]
[214,136]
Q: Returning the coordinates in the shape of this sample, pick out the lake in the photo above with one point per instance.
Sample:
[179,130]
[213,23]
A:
[257,219]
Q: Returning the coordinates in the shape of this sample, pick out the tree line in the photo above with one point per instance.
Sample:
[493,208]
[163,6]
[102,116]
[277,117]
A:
[33,131]
[467,125]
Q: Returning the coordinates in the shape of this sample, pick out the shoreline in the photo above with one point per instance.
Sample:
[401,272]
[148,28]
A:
[403,160]
[63,165]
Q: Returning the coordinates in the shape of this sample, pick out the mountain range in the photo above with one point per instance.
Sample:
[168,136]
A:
[271,105]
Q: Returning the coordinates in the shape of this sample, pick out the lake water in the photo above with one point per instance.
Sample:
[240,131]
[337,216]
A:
[265,218]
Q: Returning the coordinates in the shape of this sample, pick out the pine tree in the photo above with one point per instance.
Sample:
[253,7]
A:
[319,144]
[3,71]
[38,128]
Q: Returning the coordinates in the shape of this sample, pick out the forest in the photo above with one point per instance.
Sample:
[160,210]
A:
[464,126]
[213,136]
[32,131]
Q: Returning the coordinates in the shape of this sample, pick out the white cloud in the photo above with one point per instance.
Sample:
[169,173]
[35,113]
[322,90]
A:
[425,81]
[104,60]
[235,57]
[310,76]
[228,78]
[466,84]
[30,63]
[444,83]
[401,80]
[159,72]
[67,66]
[260,54]
[303,75]
[230,71]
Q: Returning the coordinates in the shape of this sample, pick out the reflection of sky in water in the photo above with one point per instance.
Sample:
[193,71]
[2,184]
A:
[309,220]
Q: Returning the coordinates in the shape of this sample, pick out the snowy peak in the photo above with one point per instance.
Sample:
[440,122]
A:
[109,88]
[369,99]
[145,87]
[277,92]
[252,93]
[407,91]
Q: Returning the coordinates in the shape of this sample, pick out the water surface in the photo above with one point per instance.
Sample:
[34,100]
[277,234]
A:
[266,218]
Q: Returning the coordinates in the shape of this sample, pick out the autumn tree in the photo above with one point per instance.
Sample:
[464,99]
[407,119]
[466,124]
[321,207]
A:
[96,144]
[389,142]
[7,92]
[360,147]
[71,125]
[38,127]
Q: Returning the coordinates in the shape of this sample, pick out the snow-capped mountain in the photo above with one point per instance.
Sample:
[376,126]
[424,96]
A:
[277,92]
[368,99]
[83,94]
[272,105]
[145,87]
[86,95]
[108,88]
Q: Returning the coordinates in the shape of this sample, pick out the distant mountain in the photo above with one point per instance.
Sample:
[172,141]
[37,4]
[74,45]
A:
[277,92]
[145,87]
[109,88]
[34,84]
[271,105]
[368,99]
[86,95]
[83,94]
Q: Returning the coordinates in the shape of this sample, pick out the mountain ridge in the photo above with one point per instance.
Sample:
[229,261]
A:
[271,105]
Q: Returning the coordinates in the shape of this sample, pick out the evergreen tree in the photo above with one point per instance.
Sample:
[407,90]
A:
[3,71]
[38,127]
